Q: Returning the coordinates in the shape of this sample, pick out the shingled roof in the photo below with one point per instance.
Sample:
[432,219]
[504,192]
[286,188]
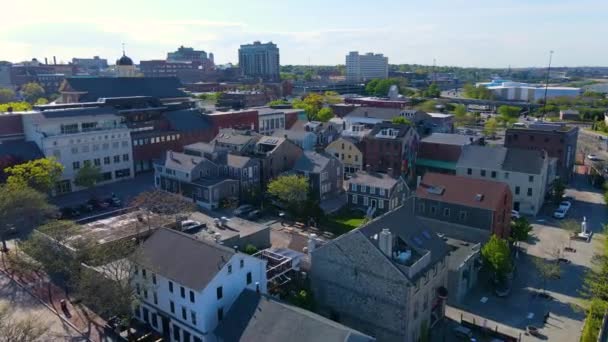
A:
[95,88]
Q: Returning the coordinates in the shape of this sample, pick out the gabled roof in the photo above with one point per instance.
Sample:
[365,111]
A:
[402,129]
[187,120]
[100,87]
[254,317]
[470,192]
[482,157]
[182,258]
[311,161]
[237,161]
[180,161]
[380,180]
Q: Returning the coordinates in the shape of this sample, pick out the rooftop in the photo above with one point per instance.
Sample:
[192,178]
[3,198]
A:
[75,112]
[471,192]
[375,113]
[449,139]
[187,120]
[95,88]
[545,127]
[182,258]
[461,251]
[311,161]
[180,161]
[255,317]
[377,179]
[227,231]
[483,157]
[440,115]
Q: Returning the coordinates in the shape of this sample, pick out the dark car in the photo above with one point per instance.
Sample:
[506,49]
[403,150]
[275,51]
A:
[86,208]
[114,201]
[98,204]
[254,215]
[68,212]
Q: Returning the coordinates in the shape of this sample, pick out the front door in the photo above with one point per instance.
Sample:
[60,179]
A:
[165,322]
[373,203]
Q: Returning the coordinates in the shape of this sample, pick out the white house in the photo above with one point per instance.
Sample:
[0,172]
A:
[187,285]
[82,136]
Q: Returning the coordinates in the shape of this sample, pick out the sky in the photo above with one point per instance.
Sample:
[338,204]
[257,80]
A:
[474,33]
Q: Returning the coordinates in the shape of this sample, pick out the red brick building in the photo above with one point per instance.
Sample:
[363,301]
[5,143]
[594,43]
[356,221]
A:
[377,102]
[242,119]
[391,149]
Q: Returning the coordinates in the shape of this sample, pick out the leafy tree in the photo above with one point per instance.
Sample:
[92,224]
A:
[40,174]
[15,107]
[278,102]
[325,114]
[558,190]
[331,97]
[21,209]
[370,87]
[41,101]
[292,190]
[432,91]
[7,95]
[27,329]
[32,91]
[428,106]
[496,256]
[460,110]
[547,269]
[288,76]
[87,176]
[400,120]
[309,75]
[313,103]
[490,127]
[520,229]
[480,92]
[508,112]
[251,249]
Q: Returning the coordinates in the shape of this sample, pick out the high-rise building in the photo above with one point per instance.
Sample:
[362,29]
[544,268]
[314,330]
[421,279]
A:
[187,54]
[260,60]
[365,67]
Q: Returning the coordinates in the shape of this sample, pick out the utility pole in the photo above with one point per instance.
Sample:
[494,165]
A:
[547,84]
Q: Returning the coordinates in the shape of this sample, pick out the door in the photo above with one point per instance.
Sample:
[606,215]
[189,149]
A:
[165,323]
[373,203]
[516,206]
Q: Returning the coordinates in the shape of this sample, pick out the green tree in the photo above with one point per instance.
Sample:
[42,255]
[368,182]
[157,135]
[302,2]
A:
[41,101]
[520,229]
[7,95]
[460,111]
[40,174]
[15,107]
[497,257]
[558,190]
[428,106]
[32,91]
[400,120]
[277,102]
[370,87]
[291,190]
[508,112]
[87,176]
[331,97]
[432,91]
[325,114]
[491,127]
[308,75]
[480,92]
[21,209]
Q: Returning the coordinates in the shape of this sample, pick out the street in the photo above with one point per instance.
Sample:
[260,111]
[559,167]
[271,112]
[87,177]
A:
[22,305]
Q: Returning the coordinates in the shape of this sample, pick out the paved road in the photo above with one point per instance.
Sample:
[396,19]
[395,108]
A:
[22,305]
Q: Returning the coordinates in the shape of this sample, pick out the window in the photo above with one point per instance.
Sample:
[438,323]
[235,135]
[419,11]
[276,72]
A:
[143,273]
[155,320]
[365,200]
[493,174]
[220,314]
[366,189]
[433,210]
[153,278]
[182,292]
[88,126]
[482,173]
[220,293]
[193,317]
[530,179]
[155,297]
[421,208]
[191,296]
[97,162]
[506,175]
[462,215]
[125,157]
[145,293]
[242,263]
[229,269]
[137,289]
[85,148]
[172,306]
[122,173]
[116,159]
[469,171]
[446,212]
[170,286]
[353,187]
[249,278]
[176,334]
[381,204]
[106,160]
[184,314]
[76,165]
[517,190]
[354,199]
[529,192]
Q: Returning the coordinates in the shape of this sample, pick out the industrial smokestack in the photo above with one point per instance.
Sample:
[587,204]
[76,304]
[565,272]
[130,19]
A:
[46,60]
[54,60]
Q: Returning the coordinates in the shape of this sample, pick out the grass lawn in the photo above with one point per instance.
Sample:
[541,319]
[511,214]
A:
[597,132]
[344,221]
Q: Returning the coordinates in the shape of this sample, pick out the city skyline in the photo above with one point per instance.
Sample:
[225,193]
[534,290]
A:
[459,33]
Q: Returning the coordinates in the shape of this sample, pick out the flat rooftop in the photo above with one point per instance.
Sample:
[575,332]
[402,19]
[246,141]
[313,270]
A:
[450,139]
[461,251]
[233,228]
[117,227]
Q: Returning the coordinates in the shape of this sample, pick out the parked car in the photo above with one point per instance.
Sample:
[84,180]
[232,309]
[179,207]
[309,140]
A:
[68,212]
[254,214]
[560,213]
[515,214]
[114,201]
[593,157]
[187,225]
[242,210]
[86,208]
[97,203]
[565,204]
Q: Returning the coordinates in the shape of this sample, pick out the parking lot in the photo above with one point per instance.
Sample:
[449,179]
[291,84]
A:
[524,306]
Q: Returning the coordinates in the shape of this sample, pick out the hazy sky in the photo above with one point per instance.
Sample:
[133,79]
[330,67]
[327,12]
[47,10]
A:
[484,33]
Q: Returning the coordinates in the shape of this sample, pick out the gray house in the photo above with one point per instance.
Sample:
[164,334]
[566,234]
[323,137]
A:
[324,172]
[387,279]
[376,193]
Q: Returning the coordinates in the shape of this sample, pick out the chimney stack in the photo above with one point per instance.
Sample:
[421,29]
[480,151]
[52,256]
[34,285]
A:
[46,60]
[385,242]
[54,60]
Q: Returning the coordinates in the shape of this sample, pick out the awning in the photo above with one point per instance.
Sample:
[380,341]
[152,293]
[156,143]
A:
[437,164]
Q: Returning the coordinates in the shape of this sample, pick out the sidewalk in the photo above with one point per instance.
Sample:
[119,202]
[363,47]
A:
[86,322]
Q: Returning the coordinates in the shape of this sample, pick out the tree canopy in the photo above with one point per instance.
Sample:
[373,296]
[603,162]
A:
[400,120]
[380,87]
[428,106]
[278,102]
[15,328]
[497,257]
[520,229]
[87,176]
[15,106]
[40,174]
[292,190]
[7,95]
[325,114]
[313,103]
[32,91]
[432,91]
[473,92]
[490,127]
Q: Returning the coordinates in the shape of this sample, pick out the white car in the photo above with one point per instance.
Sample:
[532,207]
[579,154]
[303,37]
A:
[565,205]
[187,225]
[515,214]
[593,157]
[560,213]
